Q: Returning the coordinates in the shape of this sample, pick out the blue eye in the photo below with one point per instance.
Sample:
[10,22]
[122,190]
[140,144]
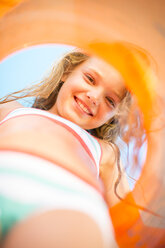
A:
[111,102]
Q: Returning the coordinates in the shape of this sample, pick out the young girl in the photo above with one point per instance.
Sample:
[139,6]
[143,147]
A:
[72,125]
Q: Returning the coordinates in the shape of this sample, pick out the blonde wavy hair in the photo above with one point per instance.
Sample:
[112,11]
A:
[126,124]
[47,90]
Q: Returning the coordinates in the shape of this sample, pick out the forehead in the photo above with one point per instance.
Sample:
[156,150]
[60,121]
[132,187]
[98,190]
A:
[102,68]
[106,73]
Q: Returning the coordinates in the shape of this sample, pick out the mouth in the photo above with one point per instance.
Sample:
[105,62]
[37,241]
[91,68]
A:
[84,108]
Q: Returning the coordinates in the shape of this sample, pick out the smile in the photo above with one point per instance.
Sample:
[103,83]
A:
[83,107]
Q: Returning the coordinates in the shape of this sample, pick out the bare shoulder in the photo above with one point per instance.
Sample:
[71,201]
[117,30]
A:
[8,107]
[108,153]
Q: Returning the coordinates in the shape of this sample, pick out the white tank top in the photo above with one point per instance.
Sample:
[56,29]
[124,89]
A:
[90,143]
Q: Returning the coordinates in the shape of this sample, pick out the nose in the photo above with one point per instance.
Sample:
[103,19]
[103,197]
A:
[93,97]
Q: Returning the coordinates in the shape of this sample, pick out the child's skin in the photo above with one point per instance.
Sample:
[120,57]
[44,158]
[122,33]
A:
[89,97]
[98,87]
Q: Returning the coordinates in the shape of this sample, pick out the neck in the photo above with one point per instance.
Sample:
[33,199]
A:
[53,110]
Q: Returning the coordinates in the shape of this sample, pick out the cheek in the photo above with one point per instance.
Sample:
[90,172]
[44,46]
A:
[106,111]
[68,89]
[107,115]
[63,93]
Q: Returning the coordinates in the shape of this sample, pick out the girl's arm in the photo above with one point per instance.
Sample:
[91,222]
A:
[109,173]
[6,108]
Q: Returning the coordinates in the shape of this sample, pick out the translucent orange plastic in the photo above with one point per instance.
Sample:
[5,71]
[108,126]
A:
[96,26]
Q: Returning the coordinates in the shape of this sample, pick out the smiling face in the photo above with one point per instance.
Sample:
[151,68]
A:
[90,95]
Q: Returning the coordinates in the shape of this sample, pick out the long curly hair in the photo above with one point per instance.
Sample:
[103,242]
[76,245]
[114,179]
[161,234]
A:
[127,122]
[47,90]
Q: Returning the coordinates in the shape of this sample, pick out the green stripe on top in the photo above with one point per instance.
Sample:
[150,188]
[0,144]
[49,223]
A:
[38,179]
[46,182]
[11,212]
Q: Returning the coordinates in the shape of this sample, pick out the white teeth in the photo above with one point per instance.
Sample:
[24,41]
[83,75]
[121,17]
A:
[83,107]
